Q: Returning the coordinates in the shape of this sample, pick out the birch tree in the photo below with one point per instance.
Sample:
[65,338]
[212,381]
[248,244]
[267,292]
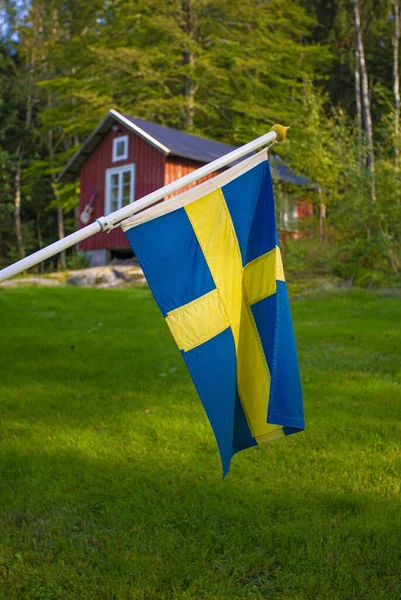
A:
[189,62]
[365,98]
[358,103]
[396,80]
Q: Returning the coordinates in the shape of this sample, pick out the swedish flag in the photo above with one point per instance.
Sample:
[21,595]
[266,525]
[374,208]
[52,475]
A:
[212,260]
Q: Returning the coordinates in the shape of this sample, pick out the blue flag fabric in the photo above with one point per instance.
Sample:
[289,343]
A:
[212,260]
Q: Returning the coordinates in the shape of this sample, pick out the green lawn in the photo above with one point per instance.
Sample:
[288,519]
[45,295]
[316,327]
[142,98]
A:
[110,479]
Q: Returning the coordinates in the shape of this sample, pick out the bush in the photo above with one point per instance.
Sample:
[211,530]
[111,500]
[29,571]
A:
[78,260]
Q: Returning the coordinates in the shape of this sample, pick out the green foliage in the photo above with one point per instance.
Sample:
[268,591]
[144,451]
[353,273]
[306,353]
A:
[6,206]
[220,68]
[308,255]
[361,239]
[77,260]
[111,478]
[246,63]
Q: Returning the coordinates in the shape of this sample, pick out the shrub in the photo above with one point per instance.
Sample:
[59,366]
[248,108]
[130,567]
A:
[78,260]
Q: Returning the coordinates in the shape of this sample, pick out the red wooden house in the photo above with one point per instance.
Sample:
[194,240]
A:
[126,158]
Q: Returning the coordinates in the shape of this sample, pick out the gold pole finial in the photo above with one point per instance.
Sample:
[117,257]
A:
[281,132]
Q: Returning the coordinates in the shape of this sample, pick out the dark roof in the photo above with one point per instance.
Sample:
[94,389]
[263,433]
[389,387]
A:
[171,142]
[283,173]
[183,144]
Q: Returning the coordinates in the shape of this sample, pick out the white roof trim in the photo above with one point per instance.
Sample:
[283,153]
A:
[111,116]
[127,123]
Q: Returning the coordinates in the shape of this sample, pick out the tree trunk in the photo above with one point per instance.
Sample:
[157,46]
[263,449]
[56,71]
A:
[60,229]
[322,215]
[17,210]
[17,182]
[358,104]
[39,232]
[61,234]
[396,80]
[365,99]
[60,214]
[188,61]
[60,223]
[40,239]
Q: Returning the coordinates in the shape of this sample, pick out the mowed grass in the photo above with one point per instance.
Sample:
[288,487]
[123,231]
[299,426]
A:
[111,483]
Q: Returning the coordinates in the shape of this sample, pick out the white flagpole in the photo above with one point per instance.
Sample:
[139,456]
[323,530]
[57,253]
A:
[277,133]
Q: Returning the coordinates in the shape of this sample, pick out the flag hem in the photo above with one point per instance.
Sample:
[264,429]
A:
[195,193]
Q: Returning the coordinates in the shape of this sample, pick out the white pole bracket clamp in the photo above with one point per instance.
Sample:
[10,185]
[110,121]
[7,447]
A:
[104,224]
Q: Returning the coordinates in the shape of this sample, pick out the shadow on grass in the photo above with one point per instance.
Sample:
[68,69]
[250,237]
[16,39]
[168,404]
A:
[101,501]
[81,527]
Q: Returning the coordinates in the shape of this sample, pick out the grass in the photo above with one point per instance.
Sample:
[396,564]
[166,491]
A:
[110,478]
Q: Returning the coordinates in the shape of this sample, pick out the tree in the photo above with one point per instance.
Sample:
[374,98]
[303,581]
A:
[218,68]
[365,97]
[396,79]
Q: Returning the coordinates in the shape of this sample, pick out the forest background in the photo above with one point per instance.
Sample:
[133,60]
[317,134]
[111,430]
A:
[225,69]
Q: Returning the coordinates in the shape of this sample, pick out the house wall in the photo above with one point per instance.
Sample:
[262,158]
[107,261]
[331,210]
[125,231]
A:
[294,217]
[177,167]
[304,208]
[149,176]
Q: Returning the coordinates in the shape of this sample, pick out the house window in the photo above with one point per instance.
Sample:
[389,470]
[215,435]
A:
[120,187]
[288,213]
[120,148]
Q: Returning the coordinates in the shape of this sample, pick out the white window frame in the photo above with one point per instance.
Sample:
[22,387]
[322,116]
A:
[120,171]
[288,212]
[116,140]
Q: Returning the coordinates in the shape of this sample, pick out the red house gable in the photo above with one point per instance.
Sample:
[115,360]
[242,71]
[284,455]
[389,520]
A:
[147,174]
[125,159]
